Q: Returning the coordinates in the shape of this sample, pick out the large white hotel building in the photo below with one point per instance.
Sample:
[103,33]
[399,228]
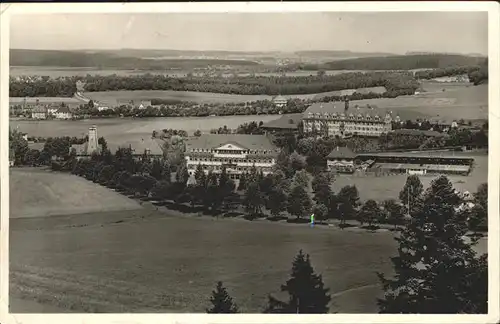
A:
[335,118]
[237,152]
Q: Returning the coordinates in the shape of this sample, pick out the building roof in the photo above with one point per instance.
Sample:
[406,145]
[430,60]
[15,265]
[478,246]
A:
[139,145]
[39,109]
[419,154]
[341,153]
[36,146]
[81,149]
[44,100]
[280,98]
[212,141]
[418,132]
[64,110]
[338,108]
[288,121]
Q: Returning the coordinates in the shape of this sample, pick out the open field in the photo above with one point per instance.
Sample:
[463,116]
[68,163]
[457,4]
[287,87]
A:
[36,193]
[145,260]
[112,97]
[387,187]
[467,102]
[120,128]
[57,71]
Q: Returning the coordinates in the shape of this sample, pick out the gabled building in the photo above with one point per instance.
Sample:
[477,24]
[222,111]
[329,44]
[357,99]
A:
[341,160]
[280,101]
[39,112]
[337,119]
[288,123]
[63,113]
[237,152]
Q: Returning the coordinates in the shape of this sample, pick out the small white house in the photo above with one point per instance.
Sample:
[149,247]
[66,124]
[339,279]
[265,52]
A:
[280,101]
[39,112]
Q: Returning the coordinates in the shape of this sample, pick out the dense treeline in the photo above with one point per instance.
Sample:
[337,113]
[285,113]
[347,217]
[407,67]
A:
[43,87]
[404,62]
[395,83]
[444,72]
[481,75]
[24,57]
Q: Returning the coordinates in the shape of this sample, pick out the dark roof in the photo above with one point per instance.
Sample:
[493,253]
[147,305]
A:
[421,154]
[139,145]
[211,141]
[417,132]
[36,146]
[339,108]
[341,153]
[64,109]
[288,121]
[39,109]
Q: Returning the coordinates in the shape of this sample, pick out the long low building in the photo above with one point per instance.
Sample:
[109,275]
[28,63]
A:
[418,162]
[238,153]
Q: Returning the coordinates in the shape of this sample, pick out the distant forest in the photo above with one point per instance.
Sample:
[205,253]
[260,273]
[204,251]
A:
[111,60]
[399,62]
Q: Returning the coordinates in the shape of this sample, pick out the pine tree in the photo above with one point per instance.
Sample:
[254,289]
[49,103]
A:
[221,301]
[307,294]
[437,271]
[411,192]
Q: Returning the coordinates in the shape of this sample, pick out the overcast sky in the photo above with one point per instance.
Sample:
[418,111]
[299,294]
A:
[366,32]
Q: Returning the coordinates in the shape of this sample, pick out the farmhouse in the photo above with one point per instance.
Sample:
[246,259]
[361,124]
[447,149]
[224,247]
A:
[420,163]
[39,112]
[237,152]
[331,119]
[280,101]
[341,160]
[63,113]
[288,123]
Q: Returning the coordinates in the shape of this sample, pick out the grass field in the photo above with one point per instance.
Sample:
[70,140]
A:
[35,193]
[112,97]
[56,71]
[457,101]
[117,129]
[171,264]
[144,260]
[387,187]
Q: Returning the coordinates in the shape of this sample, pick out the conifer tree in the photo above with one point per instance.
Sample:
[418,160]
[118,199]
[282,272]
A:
[411,192]
[299,202]
[307,294]
[437,271]
[221,301]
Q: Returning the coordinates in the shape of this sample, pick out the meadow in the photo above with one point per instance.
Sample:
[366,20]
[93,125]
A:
[114,97]
[40,193]
[117,129]
[148,260]
[57,71]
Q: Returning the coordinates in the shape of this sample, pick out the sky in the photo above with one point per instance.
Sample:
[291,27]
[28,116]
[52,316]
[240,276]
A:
[397,32]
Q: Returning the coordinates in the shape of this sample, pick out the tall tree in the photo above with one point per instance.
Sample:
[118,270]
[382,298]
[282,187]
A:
[18,146]
[437,271]
[253,200]
[306,291]
[411,192]
[221,301]
[394,212]
[369,212]
[299,202]
[277,201]
[348,201]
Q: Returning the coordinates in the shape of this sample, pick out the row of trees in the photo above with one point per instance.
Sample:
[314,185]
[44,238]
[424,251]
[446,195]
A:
[394,82]
[436,271]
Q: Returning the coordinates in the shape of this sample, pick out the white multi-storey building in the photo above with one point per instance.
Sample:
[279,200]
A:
[237,152]
[333,119]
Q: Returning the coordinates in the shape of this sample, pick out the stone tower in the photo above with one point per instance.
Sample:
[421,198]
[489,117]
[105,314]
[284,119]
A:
[92,146]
